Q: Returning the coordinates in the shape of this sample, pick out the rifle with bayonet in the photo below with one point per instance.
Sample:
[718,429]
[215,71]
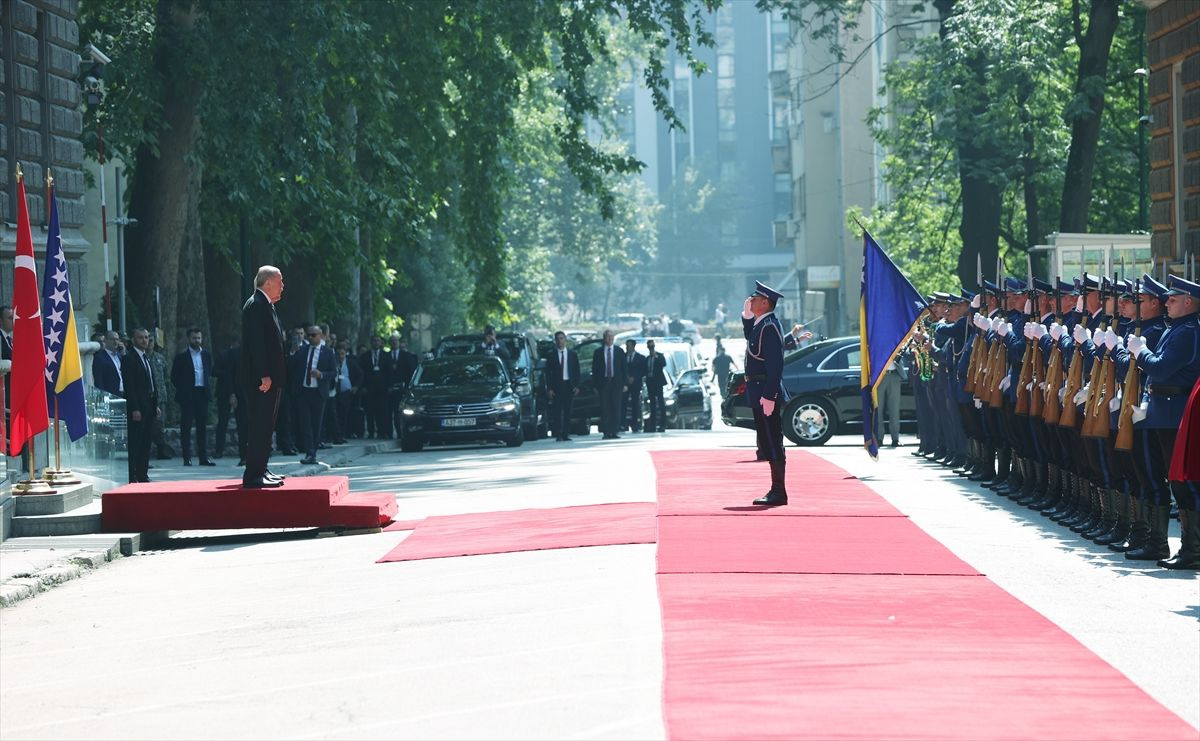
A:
[1037,397]
[1095,412]
[1131,392]
[973,364]
[998,360]
[1026,376]
[1070,412]
[1051,405]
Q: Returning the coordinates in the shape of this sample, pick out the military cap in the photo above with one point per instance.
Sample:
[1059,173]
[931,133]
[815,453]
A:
[1091,283]
[1152,287]
[760,289]
[1066,288]
[1181,287]
[1014,284]
[967,295]
[1042,286]
[940,297]
[989,286]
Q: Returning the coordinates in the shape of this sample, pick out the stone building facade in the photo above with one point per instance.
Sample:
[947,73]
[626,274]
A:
[1173,91]
[41,127]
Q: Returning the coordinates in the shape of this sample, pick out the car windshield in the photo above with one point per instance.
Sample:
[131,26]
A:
[458,346]
[458,371]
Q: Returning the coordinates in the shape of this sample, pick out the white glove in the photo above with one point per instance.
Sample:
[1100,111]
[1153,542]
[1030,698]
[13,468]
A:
[1027,330]
[1056,331]
[975,301]
[1081,334]
[1028,307]
[1004,384]
[1082,395]
[1110,339]
[1079,305]
[978,404]
[1114,405]
[746,313]
[1039,331]
[982,321]
[1136,345]
[1139,412]
[1004,329]
[997,323]
[1061,392]
[768,406]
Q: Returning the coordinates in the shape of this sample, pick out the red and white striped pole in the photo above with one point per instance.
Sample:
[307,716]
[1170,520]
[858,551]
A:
[108,315]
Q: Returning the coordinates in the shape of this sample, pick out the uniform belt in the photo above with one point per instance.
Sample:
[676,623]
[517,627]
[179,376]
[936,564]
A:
[1159,390]
[756,376]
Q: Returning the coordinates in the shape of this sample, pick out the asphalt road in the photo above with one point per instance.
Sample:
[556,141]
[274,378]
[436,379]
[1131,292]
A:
[286,635]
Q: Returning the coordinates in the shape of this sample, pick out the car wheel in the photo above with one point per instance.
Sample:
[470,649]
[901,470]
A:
[809,421]
[411,443]
[516,440]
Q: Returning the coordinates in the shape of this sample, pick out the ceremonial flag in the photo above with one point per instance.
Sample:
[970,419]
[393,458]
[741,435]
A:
[28,403]
[887,314]
[64,371]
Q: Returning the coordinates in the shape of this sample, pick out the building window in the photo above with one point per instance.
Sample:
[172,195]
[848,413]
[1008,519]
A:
[783,195]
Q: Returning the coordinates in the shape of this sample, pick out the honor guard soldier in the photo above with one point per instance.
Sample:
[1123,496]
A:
[1172,371]
[764,388]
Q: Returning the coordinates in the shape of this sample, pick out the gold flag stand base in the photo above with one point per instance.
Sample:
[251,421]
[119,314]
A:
[33,486]
[60,476]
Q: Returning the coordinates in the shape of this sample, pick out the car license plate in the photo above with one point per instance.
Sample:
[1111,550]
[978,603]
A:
[459,422]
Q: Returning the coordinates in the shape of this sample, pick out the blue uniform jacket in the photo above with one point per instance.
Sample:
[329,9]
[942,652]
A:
[1175,365]
[1015,342]
[764,360]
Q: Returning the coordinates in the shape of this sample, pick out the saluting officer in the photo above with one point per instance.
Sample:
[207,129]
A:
[764,382]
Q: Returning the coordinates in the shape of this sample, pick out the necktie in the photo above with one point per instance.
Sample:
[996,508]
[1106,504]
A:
[608,362]
[375,360]
[308,379]
[149,374]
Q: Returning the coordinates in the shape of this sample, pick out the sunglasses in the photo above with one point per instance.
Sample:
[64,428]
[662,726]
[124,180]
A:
[314,334]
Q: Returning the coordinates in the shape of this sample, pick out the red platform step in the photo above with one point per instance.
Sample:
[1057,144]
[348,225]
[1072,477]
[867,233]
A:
[317,501]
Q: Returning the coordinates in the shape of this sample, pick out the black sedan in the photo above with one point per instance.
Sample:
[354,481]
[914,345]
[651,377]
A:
[825,386]
[460,399]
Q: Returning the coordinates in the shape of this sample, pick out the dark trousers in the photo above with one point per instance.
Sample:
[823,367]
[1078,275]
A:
[331,425]
[345,409]
[139,448]
[378,413]
[310,409]
[1187,493]
[560,410]
[770,431]
[261,411]
[658,410]
[239,421]
[610,406]
[632,404]
[285,429]
[193,409]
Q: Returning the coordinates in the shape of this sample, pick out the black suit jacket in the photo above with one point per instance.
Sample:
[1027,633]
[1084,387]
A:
[553,372]
[225,370]
[656,371]
[325,362]
[403,367]
[376,381]
[353,370]
[104,373]
[598,377]
[139,394]
[262,343]
[183,374]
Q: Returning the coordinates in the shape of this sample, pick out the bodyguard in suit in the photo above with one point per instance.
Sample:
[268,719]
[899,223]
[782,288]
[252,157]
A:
[263,374]
[106,366]
[377,374]
[191,374]
[562,384]
[656,380]
[141,405]
[311,373]
[608,376]
[346,387]
[635,375]
[764,382]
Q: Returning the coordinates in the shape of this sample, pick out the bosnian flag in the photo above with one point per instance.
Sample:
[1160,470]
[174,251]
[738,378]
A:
[64,371]
[28,384]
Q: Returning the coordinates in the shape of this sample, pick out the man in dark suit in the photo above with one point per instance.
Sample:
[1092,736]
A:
[346,387]
[403,364]
[191,375]
[141,405]
[106,366]
[608,376]
[562,384]
[377,374]
[635,374]
[311,372]
[656,379]
[230,400]
[263,374]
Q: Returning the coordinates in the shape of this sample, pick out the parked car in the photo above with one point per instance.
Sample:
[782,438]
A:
[525,370]
[691,397]
[824,382]
[626,320]
[690,332]
[461,398]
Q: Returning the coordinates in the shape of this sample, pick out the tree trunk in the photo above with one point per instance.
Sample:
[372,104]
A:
[1090,84]
[192,304]
[166,186]
[223,290]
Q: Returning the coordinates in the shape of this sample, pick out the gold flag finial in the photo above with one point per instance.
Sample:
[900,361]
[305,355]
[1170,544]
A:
[49,178]
[20,175]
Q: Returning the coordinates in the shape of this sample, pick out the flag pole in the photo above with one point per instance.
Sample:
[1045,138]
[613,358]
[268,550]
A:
[58,474]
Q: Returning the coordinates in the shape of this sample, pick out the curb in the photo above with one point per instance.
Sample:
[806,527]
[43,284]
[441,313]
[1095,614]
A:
[74,566]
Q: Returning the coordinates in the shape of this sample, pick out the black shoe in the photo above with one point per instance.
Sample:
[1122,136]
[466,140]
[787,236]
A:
[206,462]
[323,446]
[772,499]
[1182,562]
[1149,552]
[273,476]
[340,442]
[895,444]
[261,484]
[308,461]
[187,461]
[241,461]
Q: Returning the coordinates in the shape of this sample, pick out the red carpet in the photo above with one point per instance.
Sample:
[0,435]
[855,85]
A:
[402,525]
[528,530]
[317,501]
[859,628]
[827,489]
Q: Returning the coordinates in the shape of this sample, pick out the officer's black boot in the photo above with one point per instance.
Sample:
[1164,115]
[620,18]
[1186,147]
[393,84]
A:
[1108,522]
[1049,489]
[986,470]
[1035,488]
[1066,497]
[1091,513]
[1123,503]
[1003,462]
[968,461]
[1156,542]
[1016,478]
[777,496]
[1139,528]
[1078,503]
[1188,557]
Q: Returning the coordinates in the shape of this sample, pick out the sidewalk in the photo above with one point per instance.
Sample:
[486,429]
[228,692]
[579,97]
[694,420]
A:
[30,566]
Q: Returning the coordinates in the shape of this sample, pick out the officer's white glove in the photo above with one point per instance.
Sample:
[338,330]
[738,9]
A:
[1039,331]
[1004,329]
[978,404]
[1005,383]
[1027,330]
[1079,305]
[746,313]
[1081,334]
[1136,345]
[1061,392]
[1081,395]
[997,323]
[1114,405]
[1139,412]
[1028,307]
[1110,339]
[1056,331]
[982,322]
[768,406]
[975,301]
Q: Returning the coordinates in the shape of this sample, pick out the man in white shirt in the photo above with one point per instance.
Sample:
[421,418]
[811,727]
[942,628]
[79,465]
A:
[191,374]
[562,385]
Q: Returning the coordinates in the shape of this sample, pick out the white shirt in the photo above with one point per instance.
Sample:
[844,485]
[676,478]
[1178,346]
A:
[116,361]
[562,360]
[309,381]
[197,367]
[146,363]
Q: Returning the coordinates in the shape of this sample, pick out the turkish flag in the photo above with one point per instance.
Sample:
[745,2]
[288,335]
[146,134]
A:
[28,385]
